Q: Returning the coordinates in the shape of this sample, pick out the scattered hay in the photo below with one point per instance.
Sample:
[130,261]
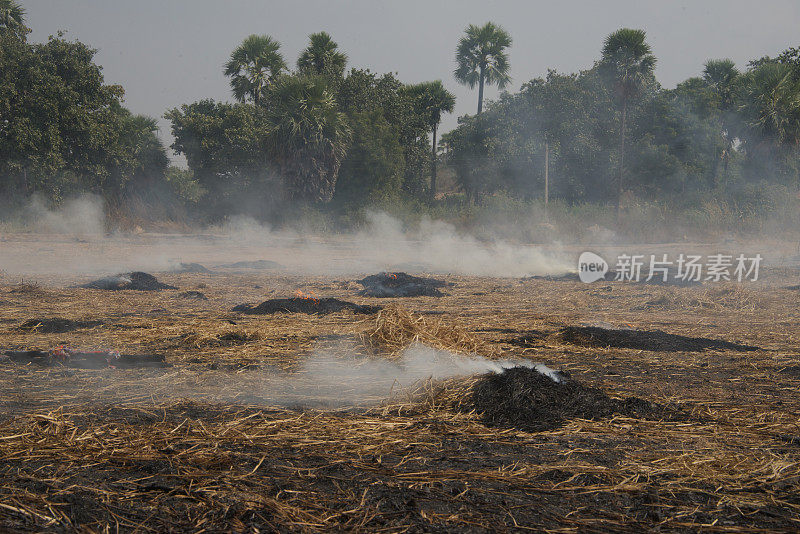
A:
[654,340]
[221,339]
[193,295]
[394,328]
[56,325]
[527,399]
[727,296]
[388,285]
[257,264]
[310,306]
[136,281]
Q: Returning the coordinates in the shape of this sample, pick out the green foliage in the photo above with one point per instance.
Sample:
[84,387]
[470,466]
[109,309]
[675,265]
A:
[226,148]
[253,65]
[372,173]
[481,58]
[322,57]
[62,129]
[309,135]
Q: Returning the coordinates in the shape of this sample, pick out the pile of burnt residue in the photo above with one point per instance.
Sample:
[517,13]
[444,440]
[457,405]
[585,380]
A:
[655,340]
[257,264]
[56,325]
[310,306]
[672,278]
[191,268]
[388,285]
[526,399]
[136,281]
[192,295]
[67,357]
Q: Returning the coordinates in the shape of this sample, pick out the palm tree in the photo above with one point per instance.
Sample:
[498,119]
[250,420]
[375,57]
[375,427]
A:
[322,56]
[771,102]
[430,100]
[253,65]
[481,58]
[12,16]
[627,63]
[721,76]
[309,136]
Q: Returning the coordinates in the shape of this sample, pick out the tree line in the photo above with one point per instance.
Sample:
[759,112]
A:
[321,133]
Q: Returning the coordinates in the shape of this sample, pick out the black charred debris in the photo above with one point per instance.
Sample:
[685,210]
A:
[526,399]
[137,281]
[399,284]
[67,357]
[310,306]
[56,325]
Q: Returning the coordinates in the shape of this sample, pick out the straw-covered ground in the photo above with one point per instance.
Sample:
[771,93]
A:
[239,435]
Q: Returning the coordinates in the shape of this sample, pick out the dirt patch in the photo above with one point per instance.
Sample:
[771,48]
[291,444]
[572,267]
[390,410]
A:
[305,305]
[193,295]
[388,285]
[136,281]
[526,399]
[257,264]
[56,325]
[655,340]
[191,268]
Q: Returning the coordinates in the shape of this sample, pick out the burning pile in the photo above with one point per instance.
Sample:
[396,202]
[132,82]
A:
[137,281]
[388,285]
[303,303]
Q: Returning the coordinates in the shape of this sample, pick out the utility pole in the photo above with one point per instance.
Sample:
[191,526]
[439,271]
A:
[546,178]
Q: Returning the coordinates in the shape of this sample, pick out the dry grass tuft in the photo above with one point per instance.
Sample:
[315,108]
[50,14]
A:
[394,328]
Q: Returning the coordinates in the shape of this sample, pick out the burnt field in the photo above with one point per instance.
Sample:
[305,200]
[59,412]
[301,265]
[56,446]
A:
[674,408]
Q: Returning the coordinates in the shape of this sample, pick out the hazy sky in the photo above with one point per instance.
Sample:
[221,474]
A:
[170,52]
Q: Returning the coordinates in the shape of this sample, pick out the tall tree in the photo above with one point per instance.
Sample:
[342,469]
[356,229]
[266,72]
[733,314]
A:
[481,58]
[12,17]
[721,76]
[322,56]
[627,64]
[253,65]
[431,99]
[309,135]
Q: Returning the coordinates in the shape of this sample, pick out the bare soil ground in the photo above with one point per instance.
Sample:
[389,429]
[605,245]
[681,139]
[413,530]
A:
[211,444]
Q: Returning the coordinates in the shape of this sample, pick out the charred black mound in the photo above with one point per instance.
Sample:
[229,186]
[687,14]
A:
[610,276]
[304,305]
[56,325]
[85,360]
[387,285]
[258,264]
[191,268]
[526,399]
[655,340]
[194,295]
[137,281]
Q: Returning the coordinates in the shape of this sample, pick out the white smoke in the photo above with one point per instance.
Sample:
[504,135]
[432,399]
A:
[329,378]
[435,247]
[78,217]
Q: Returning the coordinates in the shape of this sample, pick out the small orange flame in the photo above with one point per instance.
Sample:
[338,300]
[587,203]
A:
[392,276]
[307,296]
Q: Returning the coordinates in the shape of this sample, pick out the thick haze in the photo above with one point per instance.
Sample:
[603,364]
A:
[170,53]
